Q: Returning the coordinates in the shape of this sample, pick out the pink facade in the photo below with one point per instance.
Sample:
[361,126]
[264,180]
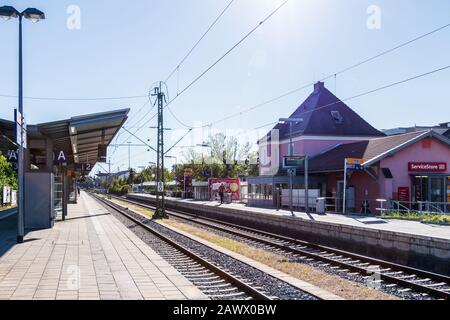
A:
[368,188]
[427,150]
[305,146]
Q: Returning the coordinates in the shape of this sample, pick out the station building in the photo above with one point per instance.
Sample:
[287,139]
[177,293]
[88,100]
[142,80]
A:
[58,154]
[407,167]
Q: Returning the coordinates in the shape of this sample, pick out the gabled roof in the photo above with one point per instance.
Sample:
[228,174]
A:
[316,112]
[372,150]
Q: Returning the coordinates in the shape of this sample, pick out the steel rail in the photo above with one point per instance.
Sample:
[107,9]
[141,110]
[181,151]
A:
[243,231]
[254,293]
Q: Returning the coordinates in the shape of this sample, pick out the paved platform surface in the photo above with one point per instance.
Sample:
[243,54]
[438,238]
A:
[401,226]
[89,256]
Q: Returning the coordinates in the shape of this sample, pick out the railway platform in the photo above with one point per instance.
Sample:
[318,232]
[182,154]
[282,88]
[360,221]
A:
[355,220]
[89,256]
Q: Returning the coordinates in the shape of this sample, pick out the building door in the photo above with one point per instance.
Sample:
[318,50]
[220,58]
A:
[420,188]
[437,189]
[339,196]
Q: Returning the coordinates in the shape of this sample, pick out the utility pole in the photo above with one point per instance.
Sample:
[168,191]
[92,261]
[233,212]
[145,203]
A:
[129,155]
[291,172]
[160,205]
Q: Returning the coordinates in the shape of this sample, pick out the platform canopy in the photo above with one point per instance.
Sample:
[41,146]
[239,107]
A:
[6,136]
[82,135]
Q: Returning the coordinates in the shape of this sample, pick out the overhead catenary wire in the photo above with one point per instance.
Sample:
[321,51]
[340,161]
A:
[365,93]
[143,96]
[129,119]
[354,96]
[177,68]
[201,75]
[361,94]
[334,74]
[75,99]
[139,128]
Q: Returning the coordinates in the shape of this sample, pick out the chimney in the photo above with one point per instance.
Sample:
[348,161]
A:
[318,87]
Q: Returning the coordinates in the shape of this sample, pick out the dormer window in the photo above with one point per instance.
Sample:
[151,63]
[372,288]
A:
[337,117]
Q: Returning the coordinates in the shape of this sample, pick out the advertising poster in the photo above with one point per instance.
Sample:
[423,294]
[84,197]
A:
[231,186]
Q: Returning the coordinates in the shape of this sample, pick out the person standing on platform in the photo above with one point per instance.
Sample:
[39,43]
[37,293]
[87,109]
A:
[221,192]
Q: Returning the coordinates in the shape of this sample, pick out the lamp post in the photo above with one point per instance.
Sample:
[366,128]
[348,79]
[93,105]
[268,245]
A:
[142,178]
[172,157]
[152,164]
[129,155]
[8,12]
[291,121]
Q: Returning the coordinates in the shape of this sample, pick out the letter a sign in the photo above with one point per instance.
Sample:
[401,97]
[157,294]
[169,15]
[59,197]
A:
[59,157]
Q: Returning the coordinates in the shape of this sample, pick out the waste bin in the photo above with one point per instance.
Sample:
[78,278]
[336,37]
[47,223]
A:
[320,205]
[227,198]
[185,195]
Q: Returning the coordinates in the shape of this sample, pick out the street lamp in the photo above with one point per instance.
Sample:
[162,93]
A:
[35,15]
[205,145]
[292,121]
[172,157]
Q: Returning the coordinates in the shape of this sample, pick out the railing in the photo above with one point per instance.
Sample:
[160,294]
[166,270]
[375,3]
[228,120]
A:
[414,207]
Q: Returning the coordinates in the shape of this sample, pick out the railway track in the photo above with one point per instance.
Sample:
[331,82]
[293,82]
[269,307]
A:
[397,277]
[216,281]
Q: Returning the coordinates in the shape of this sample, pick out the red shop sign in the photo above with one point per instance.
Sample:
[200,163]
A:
[427,166]
[403,194]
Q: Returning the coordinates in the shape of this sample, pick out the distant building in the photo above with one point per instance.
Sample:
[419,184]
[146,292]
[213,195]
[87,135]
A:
[405,164]
[101,176]
[443,129]
[326,121]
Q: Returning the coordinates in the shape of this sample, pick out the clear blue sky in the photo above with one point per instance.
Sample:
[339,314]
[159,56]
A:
[125,46]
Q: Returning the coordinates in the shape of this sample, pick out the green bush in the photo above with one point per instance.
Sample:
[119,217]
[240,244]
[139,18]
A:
[119,187]
[8,176]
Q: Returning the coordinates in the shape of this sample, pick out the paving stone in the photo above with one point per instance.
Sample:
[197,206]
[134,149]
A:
[92,258]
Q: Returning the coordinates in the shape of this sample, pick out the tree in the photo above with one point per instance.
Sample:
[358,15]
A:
[8,176]
[228,159]
[131,176]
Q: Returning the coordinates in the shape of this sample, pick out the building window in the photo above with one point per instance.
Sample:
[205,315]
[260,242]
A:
[260,192]
[337,117]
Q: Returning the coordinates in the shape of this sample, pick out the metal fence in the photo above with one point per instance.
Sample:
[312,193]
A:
[414,207]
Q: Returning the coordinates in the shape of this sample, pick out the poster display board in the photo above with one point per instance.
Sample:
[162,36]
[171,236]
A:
[232,185]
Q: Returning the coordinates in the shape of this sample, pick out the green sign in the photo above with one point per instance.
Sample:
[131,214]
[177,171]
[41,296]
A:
[293,161]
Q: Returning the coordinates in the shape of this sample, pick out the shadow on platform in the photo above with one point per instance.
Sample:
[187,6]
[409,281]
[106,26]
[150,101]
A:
[87,217]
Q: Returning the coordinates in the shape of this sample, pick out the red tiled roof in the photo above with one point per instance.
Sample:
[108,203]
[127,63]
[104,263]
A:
[333,160]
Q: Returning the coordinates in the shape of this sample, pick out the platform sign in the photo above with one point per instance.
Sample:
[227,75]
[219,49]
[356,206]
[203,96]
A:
[207,173]
[60,157]
[350,164]
[84,168]
[87,167]
[6,199]
[101,154]
[354,164]
[20,129]
[12,156]
[292,172]
[293,161]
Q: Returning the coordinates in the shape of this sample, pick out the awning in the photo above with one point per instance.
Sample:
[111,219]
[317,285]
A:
[83,134]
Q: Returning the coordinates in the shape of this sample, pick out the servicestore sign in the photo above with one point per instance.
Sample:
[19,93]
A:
[427,166]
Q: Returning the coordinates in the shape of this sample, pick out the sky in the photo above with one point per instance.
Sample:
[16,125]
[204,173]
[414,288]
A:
[115,48]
